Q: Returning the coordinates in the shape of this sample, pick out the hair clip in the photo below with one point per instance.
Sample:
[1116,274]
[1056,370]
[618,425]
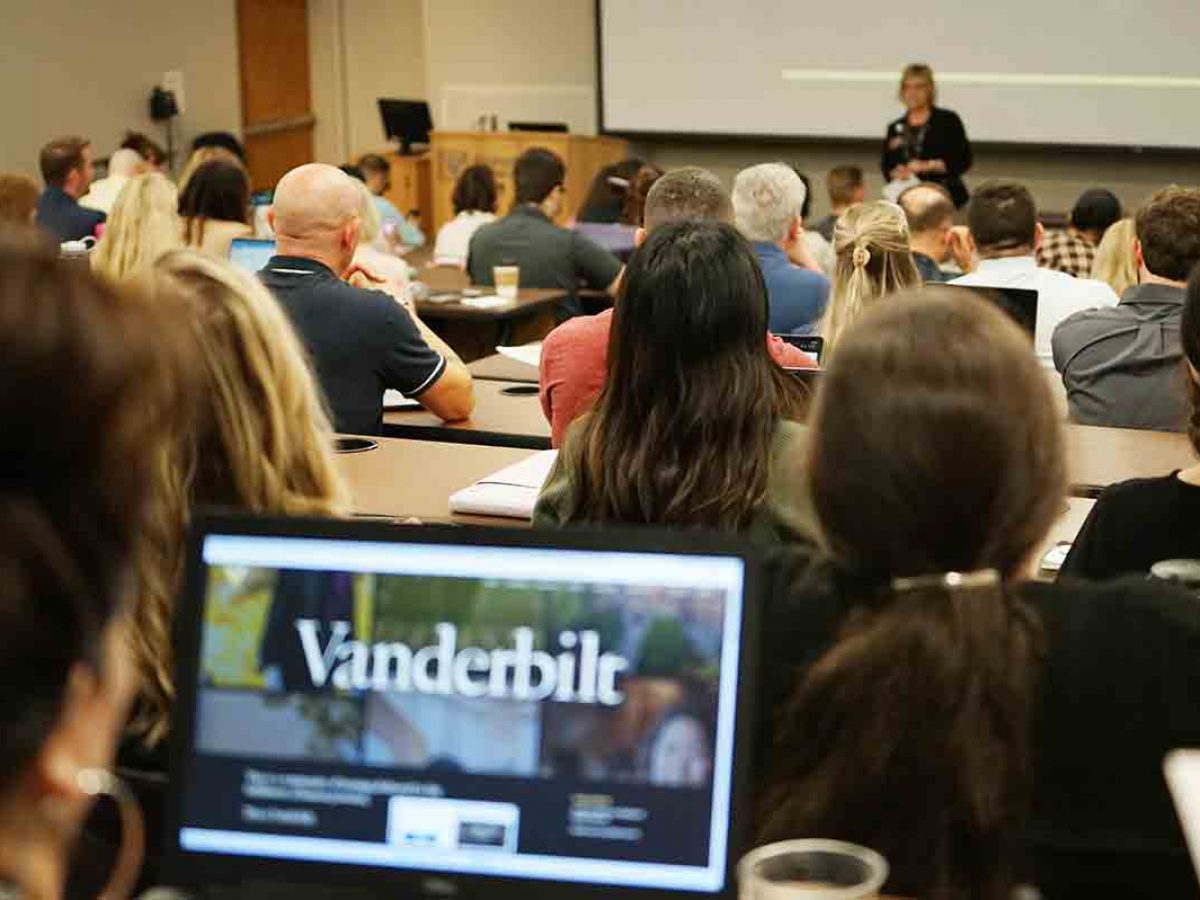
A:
[949,580]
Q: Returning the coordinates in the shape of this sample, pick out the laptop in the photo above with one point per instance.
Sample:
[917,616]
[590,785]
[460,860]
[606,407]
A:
[251,254]
[1020,303]
[461,712]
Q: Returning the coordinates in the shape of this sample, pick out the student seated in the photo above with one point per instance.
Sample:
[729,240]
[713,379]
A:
[68,170]
[80,453]
[767,204]
[1121,366]
[925,699]
[620,237]
[693,427]
[1115,263]
[215,207]
[608,192]
[1004,235]
[1073,249]
[574,355]
[144,225]
[474,202]
[1137,523]
[362,341]
[122,165]
[398,228]
[846,187]
[18,200]
[929,211]
[873,262]
[548,256]
[148,149]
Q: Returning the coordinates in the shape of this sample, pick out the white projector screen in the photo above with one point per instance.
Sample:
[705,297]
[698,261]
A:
[1108,72]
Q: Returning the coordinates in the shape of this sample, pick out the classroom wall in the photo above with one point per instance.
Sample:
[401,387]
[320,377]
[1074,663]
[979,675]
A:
[88,68]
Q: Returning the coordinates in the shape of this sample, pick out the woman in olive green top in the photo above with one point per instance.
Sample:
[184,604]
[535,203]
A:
[695,424]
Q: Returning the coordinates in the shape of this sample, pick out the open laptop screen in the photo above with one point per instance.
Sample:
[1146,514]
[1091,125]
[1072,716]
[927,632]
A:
[511,710]
[251,254]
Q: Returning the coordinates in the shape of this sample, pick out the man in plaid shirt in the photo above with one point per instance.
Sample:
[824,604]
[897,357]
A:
[1073,250]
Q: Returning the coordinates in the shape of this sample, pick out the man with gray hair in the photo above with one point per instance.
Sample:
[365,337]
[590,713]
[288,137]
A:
[574,360]
[767,200]
[362,338]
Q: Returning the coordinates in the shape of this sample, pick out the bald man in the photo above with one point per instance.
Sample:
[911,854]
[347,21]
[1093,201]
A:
[362,335]
[930,213]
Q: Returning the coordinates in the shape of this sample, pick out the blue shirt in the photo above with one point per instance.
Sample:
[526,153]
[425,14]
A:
[797,296]
[62,216]
[406,231]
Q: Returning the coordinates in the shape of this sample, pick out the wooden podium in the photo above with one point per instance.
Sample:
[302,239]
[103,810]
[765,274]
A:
[453,151]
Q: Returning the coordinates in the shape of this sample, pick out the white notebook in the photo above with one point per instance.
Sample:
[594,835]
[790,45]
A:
[511,492]
[393,399]
[530,354]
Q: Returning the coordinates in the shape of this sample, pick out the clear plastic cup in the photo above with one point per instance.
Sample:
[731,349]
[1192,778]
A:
[811,870]
[507,279]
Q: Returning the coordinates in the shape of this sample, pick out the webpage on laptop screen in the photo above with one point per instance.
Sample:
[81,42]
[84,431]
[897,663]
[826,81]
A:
[555,714]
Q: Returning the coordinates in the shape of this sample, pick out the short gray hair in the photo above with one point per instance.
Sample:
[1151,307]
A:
[767,198]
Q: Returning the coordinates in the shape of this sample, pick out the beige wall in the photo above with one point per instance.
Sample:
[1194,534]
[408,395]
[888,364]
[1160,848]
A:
[87,68]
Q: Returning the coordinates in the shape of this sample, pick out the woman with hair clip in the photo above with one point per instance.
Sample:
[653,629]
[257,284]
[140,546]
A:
[95,384]
[143,226]
[1139,522]
[873,260]
[693,425]
[262,444]
[979,730]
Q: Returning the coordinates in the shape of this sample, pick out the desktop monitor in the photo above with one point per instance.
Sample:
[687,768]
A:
[406,121]
[251,254]
[438,711]
[1020,303]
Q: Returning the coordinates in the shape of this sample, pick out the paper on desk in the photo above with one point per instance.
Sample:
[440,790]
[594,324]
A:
[511,492]
[487,301]
[393,399]
[530,354]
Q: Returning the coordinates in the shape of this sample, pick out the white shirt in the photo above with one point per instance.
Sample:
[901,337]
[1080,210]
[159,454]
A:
[103,193]
[454,238]
[1059,294]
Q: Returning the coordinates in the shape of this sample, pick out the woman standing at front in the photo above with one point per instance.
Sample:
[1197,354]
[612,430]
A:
[928,142]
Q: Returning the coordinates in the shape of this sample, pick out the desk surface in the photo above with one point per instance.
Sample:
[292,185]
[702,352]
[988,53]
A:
[499,367]
[500,418]
[416,478]
[452,280]
[1098,457]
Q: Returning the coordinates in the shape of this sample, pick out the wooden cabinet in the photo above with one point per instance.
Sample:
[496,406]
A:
[410,186]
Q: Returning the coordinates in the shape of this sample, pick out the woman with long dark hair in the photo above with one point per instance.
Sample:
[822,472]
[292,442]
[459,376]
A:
[215,207]
[692,426]
[977,729]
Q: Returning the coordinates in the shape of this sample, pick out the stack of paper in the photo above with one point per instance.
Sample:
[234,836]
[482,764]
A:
[393,399]
[511,492]
[530,354]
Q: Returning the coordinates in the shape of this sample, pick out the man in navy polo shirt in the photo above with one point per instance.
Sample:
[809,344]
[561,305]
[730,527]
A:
[67,169]
[767,200]
[362,340]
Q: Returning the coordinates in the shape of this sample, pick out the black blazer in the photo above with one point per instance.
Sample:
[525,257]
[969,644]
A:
[945,139]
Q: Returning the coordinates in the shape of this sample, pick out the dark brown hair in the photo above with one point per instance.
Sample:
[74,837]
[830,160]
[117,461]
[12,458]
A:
[1168,227]
[536,173]
[218,190]
[475,190]
[1002,216]
[681,432]
[149,150]
[1189,333]
[927,207]
[18,199]
[912,733]
[60,158]
[843,183]
[687,194]
[94,387]
[634,206]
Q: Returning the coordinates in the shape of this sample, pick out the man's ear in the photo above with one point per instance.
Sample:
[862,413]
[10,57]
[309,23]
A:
[639,237]
[796,230]
[271,218]
[1039,233]
[1138,256]
[350,232]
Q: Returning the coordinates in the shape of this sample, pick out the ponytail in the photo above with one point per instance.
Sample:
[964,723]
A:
[912,733]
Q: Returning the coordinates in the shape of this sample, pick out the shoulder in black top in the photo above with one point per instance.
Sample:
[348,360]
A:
[360,341]
[1119,687]
[1135,524]
[945,139]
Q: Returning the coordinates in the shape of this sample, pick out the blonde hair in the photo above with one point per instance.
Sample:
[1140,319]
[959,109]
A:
[370,223]
[264,443]
[1115,262]
[200,156]
[918,70]
[873,260]
[143,226]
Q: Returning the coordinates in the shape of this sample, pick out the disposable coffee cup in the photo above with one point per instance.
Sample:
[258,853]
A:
[811,870]
[508,281]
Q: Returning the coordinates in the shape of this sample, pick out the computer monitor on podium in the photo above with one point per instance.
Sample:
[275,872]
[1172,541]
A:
[406,121]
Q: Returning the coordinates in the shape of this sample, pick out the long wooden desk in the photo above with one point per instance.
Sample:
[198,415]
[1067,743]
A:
[416,478]
[507,414]
[498,367]
[1098,457]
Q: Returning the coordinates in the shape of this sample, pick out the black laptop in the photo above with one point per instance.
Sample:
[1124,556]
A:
[1020,303]
[461,712]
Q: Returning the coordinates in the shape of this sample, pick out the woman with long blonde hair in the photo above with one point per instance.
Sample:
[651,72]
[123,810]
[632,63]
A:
[143,226]
[873,260]
[1115,263]
[264,443]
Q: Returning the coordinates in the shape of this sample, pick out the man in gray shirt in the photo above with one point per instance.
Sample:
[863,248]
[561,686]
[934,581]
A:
[1122,366]
[548,256]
